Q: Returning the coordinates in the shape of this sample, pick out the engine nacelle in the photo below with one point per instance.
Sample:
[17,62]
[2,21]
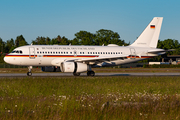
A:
[74,67]
[50,69]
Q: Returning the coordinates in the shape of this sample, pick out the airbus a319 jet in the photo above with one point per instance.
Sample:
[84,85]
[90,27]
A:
[78,59]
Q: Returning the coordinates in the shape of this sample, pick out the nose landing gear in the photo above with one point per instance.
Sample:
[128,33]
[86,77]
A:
[29,73]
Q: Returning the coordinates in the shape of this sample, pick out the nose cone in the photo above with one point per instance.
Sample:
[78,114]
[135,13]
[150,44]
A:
[6,59]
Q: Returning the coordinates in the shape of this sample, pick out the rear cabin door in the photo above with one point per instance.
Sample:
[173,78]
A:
[31,52]
[133,53]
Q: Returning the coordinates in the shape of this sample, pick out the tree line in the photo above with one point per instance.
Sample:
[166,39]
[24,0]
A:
[101,37]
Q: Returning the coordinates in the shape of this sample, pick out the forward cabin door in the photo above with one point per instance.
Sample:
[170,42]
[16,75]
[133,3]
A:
[31,52]
[133,53]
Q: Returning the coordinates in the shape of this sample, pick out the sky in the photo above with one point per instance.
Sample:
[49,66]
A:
[50,18]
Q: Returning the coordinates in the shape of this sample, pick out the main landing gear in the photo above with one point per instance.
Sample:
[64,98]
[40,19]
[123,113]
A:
[90,73]
[29,73]
[76,74]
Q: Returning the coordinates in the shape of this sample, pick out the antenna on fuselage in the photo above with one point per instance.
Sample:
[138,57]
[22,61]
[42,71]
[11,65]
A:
[31,43]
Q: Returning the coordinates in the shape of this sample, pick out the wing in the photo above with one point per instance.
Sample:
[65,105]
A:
[90,61]
[97,60]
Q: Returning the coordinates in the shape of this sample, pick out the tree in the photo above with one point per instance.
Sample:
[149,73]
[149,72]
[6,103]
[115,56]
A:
[85,38]
[40,41]
[75,41]
[170,44]
[48,41]
[108,37]
[64,41]
[20,41]
[10,46]
[2,45]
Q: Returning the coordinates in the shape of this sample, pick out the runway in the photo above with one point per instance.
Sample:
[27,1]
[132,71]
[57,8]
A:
[84,74]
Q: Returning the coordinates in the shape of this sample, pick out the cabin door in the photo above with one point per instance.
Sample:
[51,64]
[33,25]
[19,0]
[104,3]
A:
[133,53]
[31,52]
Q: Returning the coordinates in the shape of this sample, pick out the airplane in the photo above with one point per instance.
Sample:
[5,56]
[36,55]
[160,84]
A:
[77,59]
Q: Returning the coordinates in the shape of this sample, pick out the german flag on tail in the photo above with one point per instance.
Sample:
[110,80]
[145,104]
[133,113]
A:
[152,26]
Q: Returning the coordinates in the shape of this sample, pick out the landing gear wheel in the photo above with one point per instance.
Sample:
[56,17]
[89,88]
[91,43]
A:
[29,73]
[76,74]
[90,73]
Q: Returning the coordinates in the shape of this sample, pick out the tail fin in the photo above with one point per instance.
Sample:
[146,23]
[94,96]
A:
[149,37]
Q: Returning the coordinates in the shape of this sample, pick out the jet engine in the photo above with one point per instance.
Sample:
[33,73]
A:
[74,67]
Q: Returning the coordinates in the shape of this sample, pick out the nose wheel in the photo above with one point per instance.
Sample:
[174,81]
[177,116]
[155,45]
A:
[29,73]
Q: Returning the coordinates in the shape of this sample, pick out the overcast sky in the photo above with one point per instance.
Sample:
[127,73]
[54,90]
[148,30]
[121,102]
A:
[50,18]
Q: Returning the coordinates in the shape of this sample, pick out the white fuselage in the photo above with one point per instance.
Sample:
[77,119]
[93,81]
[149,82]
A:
[43,55]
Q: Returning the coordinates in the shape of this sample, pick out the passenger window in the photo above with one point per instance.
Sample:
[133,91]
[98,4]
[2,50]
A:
[66,52]
[37,52]
[20,51]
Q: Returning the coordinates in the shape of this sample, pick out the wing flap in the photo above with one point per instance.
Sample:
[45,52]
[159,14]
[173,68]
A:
[101,59]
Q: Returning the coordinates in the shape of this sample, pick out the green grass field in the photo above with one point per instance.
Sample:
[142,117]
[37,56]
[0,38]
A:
[90,98]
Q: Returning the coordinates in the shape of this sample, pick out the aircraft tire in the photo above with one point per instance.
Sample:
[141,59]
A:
[76,74]
[29,73]
[90,73]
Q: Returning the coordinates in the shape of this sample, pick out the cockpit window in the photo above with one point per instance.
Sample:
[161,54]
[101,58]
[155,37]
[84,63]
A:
[17,51]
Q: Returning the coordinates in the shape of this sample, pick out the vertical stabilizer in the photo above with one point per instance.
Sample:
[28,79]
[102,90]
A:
[149,37]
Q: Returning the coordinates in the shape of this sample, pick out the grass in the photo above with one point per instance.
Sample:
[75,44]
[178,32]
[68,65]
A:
[122,97]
